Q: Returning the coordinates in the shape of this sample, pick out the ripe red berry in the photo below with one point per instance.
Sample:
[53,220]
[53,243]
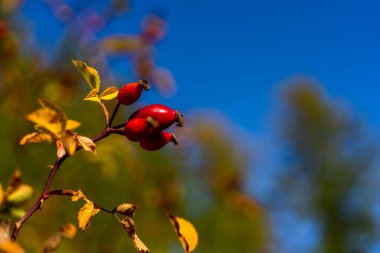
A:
[131,92]
[139,128]
[164,116]
[156,141]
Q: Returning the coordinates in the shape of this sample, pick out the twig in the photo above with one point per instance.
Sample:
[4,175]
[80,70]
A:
[45,192]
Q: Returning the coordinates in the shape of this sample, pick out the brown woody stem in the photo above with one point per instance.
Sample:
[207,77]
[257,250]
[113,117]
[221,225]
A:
[109,124]
[46,193]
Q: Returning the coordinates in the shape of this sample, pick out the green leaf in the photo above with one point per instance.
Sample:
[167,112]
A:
[109,93]
[22,193]
[17,213]
[89,73]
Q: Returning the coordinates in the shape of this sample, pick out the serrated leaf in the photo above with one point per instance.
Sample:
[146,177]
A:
[92,96]
[35,137]
[86,143]
[109,93]
[186,232]
[129,226]
[85,214]
[126,209]
[72,124]
[68,231]
[60,148]
[89,73]
[20,194]
[77,196]
[10,247]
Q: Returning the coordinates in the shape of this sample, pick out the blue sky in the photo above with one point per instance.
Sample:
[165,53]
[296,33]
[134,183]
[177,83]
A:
[234,55]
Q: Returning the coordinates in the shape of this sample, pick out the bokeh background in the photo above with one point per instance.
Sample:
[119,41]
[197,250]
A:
[280,148]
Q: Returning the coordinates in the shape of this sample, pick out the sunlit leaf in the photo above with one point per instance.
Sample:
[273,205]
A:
[60,114]
[46,118]
[72,147]
[85,214]
[92,96]
[60,148]
[72,124]
[186,232]
[20,194]
[35,138]
[77,196]
[10,247]
[126,209]
[90,74]
[129,227]
[109,93]
[68,231]
[86,143]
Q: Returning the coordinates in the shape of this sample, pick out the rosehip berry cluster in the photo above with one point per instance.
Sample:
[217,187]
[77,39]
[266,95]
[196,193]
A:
[147,124]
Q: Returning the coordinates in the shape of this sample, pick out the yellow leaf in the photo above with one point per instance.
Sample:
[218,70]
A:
[92,96]
[68,231]
[46,118]
[109,93]
[85,214]
[20,194]
[77,196]
[10,247]
[126,209]
[1,194]
[60,114]
[72,124]
[60,148]
[89,73]
[186,232]
[86,143]
[35,137]
[72,147]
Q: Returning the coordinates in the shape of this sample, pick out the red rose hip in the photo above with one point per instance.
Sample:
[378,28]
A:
[131,92]
[164,116]
[139,128]
[156,141]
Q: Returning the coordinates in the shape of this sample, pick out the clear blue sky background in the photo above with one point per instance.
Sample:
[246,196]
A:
[233,55]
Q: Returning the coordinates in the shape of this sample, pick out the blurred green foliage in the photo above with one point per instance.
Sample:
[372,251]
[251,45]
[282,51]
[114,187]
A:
[328,166]
[202,179]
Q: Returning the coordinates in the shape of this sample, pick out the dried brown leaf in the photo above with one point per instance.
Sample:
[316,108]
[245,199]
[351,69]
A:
[126,209]
[36,137]
[86,143]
